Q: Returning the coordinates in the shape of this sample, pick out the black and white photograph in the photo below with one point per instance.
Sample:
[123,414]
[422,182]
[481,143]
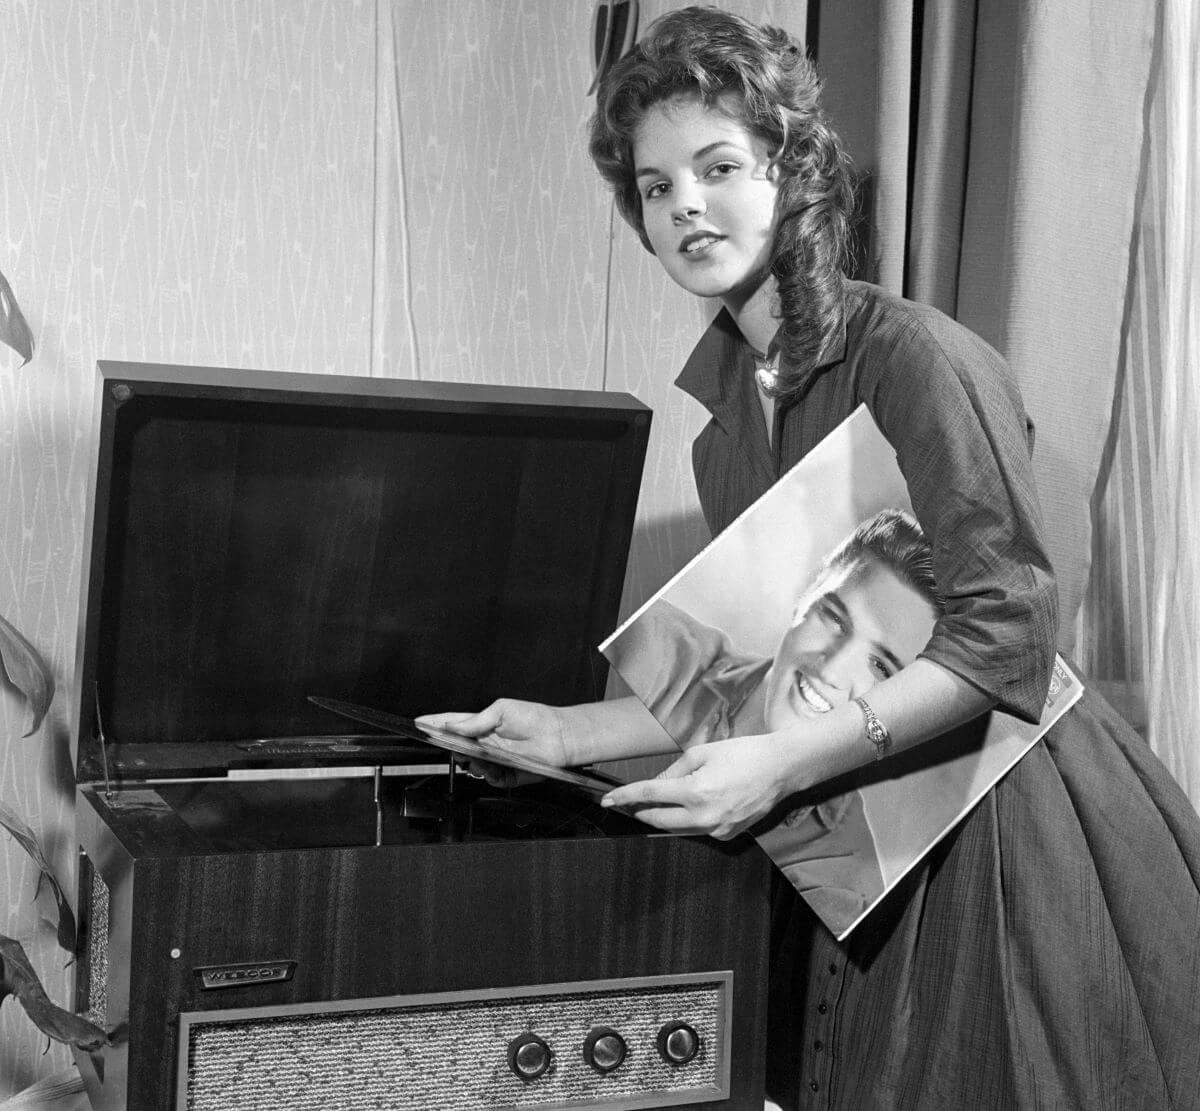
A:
[610,554]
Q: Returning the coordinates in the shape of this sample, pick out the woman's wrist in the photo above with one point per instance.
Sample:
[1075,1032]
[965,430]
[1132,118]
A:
[618,729]
[824,748]
[917,704]
[877,733]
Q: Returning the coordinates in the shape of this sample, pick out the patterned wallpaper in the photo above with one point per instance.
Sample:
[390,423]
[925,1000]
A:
[182,183]
[368,186]
[504,221]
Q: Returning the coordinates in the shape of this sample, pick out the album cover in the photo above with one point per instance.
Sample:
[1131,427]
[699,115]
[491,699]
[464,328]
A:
[818,590]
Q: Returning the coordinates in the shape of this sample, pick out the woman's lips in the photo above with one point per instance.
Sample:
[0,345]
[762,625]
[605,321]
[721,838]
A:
[698,243]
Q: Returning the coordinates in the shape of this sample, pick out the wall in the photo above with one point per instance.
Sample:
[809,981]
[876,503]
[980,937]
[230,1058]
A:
[501,224]
[182,183]
[509,260]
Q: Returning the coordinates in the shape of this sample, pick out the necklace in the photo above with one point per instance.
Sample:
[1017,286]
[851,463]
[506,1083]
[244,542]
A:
[766,373]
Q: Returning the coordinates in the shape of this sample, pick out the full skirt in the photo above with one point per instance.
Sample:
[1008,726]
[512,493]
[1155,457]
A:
[1045,955]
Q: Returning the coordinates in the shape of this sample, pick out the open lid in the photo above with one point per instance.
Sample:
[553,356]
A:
[257,538]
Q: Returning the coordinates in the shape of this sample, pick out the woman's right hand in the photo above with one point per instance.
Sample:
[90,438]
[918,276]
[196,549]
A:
[528,729]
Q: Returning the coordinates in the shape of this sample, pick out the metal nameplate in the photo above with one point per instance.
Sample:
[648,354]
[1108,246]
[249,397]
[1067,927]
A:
[242,975]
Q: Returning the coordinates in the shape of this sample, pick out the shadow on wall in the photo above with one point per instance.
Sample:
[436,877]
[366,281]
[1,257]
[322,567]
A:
[661,547]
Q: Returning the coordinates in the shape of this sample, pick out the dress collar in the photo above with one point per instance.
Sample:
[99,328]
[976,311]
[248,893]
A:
[719,365]
[716,367]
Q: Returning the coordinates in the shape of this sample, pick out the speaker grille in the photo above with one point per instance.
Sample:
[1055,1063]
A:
[420,1053]
[97,943]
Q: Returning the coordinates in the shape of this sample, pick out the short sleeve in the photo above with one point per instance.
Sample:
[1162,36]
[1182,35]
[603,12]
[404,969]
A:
[669,660]
[947,403]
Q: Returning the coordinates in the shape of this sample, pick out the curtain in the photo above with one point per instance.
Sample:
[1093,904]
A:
[1175,623]
[1141,614]
[1032,170]
[998,144]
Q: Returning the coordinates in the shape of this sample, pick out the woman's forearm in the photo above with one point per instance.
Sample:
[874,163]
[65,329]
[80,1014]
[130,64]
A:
[614,730]
[921,702]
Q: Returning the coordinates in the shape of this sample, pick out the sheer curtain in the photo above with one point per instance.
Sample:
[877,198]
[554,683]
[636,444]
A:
[1174,678]
[1141,617]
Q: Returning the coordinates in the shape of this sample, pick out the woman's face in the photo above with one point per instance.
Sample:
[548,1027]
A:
[708,194]
[858,625]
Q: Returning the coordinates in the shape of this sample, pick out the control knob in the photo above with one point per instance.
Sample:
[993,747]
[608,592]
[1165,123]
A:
[528,1056]
[604,1049]
[678,1043]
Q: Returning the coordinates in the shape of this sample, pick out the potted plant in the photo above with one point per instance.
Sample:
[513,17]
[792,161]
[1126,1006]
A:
[24,671]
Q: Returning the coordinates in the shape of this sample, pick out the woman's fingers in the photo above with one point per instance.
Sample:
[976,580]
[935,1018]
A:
[669,786]
[497,775]
[449,721]
[670,819]
[692,760]
[476,769]
[677,800]
[468,725]
[680,818]
[649,792]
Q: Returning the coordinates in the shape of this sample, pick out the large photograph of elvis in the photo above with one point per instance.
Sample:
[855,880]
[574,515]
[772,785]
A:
[821,589]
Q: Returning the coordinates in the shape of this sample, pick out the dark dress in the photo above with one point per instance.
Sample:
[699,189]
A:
[1047,953]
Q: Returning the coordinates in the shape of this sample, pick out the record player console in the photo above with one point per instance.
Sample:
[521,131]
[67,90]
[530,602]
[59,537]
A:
[291,912]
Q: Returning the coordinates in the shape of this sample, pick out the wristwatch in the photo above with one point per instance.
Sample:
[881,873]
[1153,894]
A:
[877,732]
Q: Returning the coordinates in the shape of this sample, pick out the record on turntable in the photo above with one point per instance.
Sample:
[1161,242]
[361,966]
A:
[409,729]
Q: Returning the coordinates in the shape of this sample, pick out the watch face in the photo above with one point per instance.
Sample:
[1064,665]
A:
[877,732]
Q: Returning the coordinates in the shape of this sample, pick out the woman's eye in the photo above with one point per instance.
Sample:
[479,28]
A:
[724,169]
[658,189]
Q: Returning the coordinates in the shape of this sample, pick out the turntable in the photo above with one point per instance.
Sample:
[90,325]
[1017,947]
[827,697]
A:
[292,910]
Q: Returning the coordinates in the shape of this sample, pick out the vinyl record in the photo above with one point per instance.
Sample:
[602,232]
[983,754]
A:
[410,730]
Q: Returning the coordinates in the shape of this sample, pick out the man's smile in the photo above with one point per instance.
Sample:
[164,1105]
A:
[810,696]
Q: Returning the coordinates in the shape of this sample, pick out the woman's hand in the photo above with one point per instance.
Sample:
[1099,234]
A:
[528,729]
[564,736]
[721,788]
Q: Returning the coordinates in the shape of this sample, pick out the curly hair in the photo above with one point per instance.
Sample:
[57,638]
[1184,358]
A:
[710,54]
[894,539]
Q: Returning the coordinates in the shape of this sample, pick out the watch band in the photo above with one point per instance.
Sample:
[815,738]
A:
[877,732]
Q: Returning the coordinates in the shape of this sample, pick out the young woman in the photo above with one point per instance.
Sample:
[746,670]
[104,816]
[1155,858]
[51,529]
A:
[1047,953]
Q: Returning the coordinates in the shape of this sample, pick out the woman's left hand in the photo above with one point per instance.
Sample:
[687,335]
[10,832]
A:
[721,788]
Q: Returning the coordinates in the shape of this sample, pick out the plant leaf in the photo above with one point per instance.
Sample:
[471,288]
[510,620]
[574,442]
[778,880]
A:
[28,841]
[17,978]
[13,329]
[27,671]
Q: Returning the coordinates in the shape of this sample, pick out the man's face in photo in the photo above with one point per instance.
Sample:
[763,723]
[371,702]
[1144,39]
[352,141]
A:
[858,625]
